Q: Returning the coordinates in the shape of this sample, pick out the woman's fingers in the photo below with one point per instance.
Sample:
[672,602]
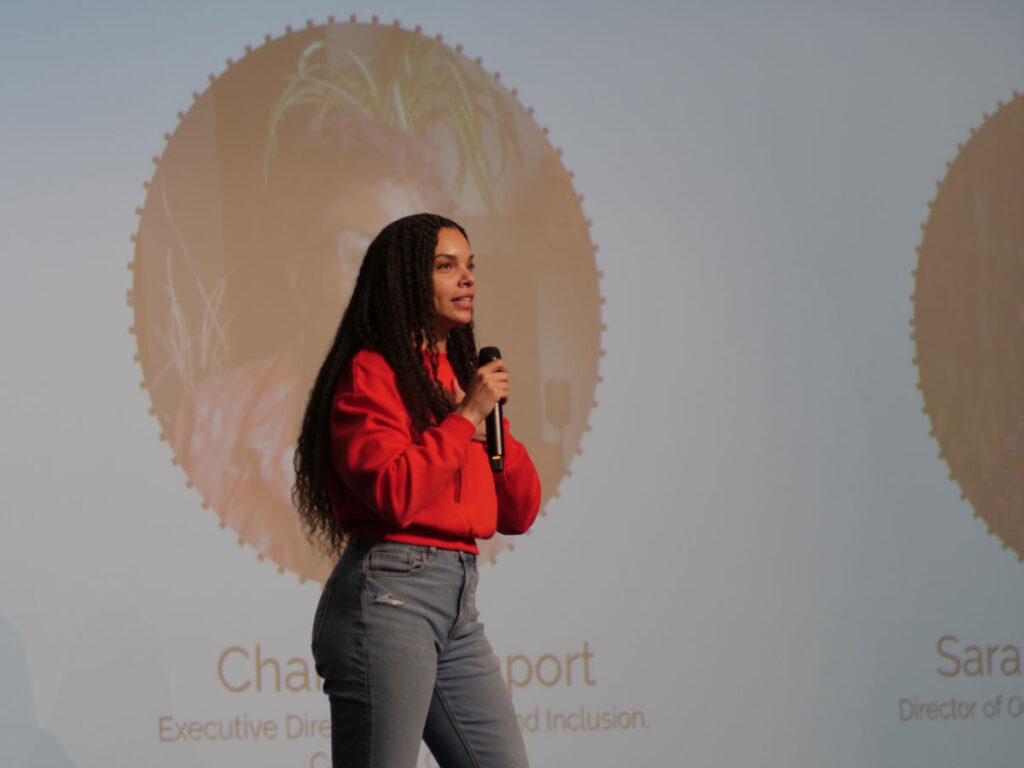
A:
[495,377]
[488,386]
[458,392]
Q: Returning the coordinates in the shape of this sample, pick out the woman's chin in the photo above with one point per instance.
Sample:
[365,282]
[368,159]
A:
[450,324]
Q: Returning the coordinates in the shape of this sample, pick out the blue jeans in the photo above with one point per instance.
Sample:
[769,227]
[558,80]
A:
[403,655]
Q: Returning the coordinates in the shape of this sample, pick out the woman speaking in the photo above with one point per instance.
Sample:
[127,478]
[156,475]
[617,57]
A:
[391,472]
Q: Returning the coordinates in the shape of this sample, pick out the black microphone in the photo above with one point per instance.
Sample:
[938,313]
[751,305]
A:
[495,435]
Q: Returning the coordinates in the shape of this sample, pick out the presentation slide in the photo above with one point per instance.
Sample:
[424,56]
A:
[756,269]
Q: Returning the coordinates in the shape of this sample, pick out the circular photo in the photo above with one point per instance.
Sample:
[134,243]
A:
[969,321]
[255,224]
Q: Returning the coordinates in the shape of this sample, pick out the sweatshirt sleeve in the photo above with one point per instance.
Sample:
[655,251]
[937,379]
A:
[517,487]
[373,448]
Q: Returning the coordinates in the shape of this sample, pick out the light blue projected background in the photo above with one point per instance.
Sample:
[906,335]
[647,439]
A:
[758,548]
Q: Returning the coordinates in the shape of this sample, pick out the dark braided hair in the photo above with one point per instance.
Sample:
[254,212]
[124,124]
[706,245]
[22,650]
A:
[391,312]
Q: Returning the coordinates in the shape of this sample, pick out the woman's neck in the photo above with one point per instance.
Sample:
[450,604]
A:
[441,345]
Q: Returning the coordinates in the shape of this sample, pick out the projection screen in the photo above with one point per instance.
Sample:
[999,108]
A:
[757,271]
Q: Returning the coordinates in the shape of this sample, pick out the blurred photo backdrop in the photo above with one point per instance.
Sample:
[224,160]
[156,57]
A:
[758,274]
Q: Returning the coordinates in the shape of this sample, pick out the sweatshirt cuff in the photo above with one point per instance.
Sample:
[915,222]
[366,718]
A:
[459,426]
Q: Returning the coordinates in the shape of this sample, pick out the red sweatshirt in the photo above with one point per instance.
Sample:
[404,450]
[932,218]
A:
[437,489]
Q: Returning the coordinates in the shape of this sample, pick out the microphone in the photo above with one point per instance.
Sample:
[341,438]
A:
[495,435]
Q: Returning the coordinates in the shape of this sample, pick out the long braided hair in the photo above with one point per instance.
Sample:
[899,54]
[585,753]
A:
[391,312]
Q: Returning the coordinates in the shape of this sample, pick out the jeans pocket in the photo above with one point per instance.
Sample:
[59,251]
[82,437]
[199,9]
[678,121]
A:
[393,561]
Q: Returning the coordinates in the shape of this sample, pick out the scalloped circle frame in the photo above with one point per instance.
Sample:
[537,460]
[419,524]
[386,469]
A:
[239,279]
[968,324]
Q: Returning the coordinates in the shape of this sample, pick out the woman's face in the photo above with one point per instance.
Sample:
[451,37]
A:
[454,283]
